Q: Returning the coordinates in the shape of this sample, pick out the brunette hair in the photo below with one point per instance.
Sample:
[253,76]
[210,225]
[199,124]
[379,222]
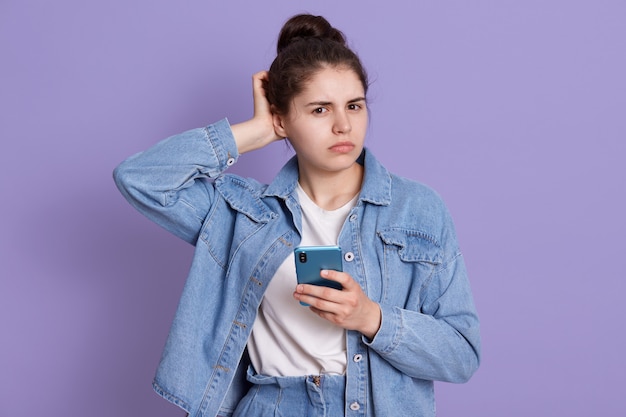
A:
[307,44]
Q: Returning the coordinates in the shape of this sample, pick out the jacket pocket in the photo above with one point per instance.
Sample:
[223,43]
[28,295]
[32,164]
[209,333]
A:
[225,230]
[409,260]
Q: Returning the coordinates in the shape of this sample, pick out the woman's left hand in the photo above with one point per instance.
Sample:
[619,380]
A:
[349,308]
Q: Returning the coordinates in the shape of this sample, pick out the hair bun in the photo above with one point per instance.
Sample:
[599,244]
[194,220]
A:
[307,26]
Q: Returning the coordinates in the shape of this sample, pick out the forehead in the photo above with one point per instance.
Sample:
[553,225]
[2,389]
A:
[332,84]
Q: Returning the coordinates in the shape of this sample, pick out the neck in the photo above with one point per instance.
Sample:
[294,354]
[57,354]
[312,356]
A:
[332,190]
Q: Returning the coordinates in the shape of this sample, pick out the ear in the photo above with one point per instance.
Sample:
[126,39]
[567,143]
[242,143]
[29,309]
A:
[279,125]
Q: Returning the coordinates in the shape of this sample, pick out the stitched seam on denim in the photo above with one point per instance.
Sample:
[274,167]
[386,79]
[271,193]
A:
[403,245]
[210,133]
[397,336]
[191,206]
[435,272]
[447,263]
[412,233]
[170,397]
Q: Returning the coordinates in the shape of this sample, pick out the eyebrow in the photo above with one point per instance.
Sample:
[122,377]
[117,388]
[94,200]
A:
[327,103]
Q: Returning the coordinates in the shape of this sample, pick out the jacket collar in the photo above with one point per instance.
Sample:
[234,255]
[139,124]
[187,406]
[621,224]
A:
[376,188]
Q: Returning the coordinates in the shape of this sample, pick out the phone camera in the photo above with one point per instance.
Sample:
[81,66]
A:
[302,257]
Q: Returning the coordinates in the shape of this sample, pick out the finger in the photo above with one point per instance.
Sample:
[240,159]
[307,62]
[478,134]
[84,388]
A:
[320,305]
[314,294]
[346,281]
[323,314]
[259,77]
[257,85]
[261,104]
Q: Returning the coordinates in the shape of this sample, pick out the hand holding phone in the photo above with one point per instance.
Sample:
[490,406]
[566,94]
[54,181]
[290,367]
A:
[310,260]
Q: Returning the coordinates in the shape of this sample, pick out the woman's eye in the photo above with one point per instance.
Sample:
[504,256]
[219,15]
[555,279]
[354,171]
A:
[354,106]
[319,110]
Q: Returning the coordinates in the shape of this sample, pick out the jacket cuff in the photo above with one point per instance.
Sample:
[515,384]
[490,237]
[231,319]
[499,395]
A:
[385,339]
[221,139]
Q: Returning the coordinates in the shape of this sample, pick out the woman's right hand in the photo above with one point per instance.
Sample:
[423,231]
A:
[258,131]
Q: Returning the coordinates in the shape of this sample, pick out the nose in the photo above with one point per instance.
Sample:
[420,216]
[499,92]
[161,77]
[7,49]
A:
[341,123]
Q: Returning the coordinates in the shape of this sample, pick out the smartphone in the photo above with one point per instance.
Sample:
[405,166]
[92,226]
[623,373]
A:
[310,260]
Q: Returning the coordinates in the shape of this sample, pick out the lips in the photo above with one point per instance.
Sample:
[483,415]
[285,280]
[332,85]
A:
[342,147]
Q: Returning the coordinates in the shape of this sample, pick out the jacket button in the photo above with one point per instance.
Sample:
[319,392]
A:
[357,358]
[353,217]
[349,256]
[230,161]
[355,406]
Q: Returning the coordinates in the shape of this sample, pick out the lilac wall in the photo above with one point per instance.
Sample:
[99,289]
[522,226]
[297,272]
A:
[515,111]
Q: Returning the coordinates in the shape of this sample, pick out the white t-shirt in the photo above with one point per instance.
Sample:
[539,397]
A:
[287,338]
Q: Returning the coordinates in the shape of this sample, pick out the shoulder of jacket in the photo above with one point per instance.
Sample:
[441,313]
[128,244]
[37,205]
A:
[415,190]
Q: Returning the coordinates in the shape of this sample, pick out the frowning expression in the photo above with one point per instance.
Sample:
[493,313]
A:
[327,121]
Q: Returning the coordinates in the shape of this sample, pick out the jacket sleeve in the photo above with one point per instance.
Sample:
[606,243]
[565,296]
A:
[170,183]
[441,341]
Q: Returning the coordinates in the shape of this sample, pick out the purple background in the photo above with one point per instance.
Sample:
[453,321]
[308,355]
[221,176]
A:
[515,111]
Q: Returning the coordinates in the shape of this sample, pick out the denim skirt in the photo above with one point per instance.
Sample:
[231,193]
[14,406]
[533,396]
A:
[306,396]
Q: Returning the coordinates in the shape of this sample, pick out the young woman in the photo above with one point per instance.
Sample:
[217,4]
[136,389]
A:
[241,343]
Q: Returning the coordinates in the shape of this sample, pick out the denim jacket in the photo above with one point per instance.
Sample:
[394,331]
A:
[398,242]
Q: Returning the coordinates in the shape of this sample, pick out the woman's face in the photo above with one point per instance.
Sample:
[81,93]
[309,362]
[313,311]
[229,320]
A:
[327,121]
